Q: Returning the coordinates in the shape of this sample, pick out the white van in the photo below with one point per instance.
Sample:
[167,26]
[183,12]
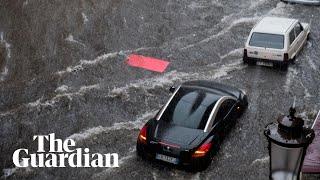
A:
[275,41]
[308,2]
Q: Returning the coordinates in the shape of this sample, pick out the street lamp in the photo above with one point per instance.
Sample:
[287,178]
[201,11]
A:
[287,143]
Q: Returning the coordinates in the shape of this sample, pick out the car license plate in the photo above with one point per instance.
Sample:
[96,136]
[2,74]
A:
[261,63]
[167,158]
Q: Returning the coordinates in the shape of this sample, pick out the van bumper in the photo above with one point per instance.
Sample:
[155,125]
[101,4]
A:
[252,61]
[307,2]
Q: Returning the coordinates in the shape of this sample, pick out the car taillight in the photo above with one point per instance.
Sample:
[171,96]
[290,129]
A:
[245,53]
[143,134]
[285,57]
[202,150]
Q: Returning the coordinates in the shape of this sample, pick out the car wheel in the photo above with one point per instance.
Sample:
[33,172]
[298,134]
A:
[284,67]
[139,152]
[241,111]
[293,60]
[206,162]
[203,164]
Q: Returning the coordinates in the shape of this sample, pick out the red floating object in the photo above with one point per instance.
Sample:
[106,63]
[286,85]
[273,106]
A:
[148,63]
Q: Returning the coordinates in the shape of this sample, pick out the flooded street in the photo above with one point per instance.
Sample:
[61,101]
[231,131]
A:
[63,71]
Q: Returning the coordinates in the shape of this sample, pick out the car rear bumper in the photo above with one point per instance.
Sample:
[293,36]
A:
[307,2]
[185,159]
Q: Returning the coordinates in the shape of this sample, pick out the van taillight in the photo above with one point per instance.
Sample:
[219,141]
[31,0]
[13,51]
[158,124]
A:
[286,57]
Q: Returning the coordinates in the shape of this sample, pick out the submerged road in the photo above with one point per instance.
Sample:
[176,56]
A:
[63,71]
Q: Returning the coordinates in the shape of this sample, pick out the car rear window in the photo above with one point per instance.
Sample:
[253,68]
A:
[190,108]
[275,41]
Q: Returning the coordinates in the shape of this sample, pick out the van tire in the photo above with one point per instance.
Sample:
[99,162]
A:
[284,67]
[247,61]
[251,63]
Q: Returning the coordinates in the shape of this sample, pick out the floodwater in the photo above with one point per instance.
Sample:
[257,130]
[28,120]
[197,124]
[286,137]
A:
[63,71]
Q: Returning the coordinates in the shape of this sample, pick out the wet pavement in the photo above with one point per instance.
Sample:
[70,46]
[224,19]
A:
[63,71]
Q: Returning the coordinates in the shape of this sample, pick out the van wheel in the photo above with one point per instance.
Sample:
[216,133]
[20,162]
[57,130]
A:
[284,67]
[244,60]
[251,63]
[248,61]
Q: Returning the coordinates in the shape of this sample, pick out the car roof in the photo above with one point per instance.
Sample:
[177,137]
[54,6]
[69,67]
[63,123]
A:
[274,25]
[213,87]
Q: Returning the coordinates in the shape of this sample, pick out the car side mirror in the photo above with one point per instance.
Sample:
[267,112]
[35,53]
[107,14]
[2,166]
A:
[172,89]
[301,27]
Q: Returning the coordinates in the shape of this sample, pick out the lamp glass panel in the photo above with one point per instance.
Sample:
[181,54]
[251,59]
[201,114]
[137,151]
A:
[285,162]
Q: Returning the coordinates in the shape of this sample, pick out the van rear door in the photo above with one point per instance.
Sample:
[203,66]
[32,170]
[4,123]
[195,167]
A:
[266,46]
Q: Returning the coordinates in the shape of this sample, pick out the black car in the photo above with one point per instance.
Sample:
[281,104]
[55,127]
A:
[189,128]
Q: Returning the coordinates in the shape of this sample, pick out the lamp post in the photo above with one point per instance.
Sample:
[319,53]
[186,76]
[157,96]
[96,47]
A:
[287,143]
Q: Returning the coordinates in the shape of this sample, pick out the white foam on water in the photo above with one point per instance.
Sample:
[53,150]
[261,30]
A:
[224,30]
[261,161]
[38,103]
[196,5]
[306,91]
[304,116]
[196,176]
[62,89]
[82,90]
[4,71]
[291,75]
[6,113]
[223,70]
[71,39]
[97,60]
[173,76]
[151,83]
[125,22]
[85,18]
[123,160]
[256,3]
[235,52]
[35,103]
[154,175]
[282,9]
[7,172]
[312,64]
[129,125]
[227,155]
[25,3]
[217,3]
[82,63]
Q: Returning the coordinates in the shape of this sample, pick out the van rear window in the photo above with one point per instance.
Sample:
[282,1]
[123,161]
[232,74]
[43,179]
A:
[275,41]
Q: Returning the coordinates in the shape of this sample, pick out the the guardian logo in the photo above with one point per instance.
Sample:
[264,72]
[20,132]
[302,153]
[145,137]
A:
[62,154]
